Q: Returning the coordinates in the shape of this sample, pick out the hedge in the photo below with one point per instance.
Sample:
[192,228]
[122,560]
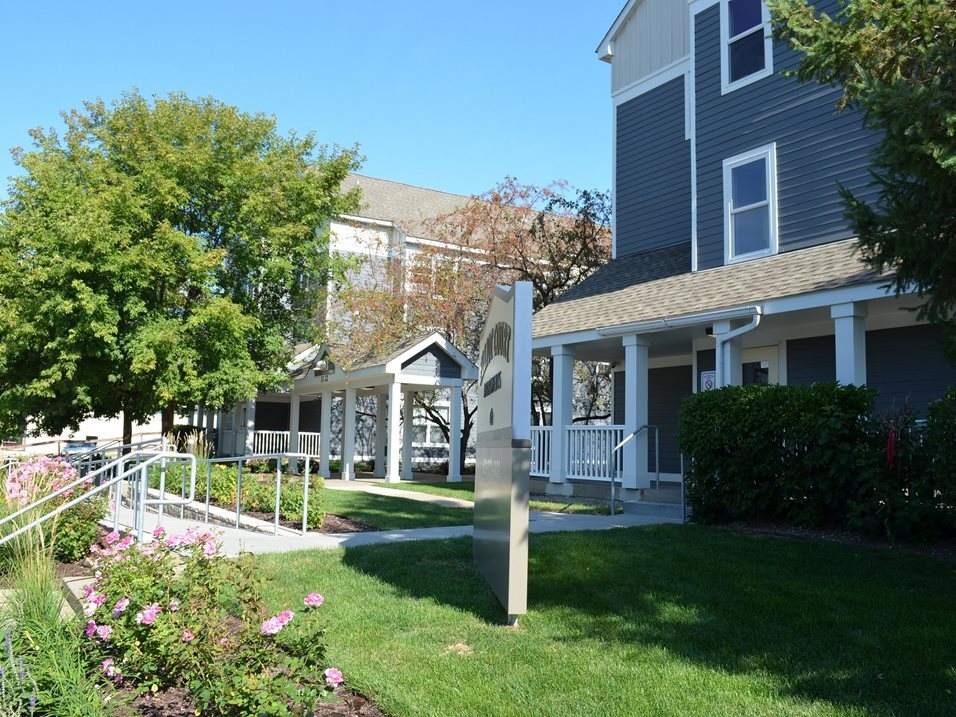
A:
[819,456]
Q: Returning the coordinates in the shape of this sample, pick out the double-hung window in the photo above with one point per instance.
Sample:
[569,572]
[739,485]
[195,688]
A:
[750,205]
[746,51]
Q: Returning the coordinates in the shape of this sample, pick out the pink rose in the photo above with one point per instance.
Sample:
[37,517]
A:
[313,600]
[104,631]
[209,549]
[174,605]
[334,677]
[111,537]
[120,606]
[148,615]
[188,636]
[109,668]
[159,532]
[90,628]
[272,626]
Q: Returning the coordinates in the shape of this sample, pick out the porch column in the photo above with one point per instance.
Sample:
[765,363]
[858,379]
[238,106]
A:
[454,436]
[634,463]
[394,437]
[250,446]
[849,324]
[294,404]
[325,437]
[408,416]
[348,436]
[562,391]
[380,435]
[728,356]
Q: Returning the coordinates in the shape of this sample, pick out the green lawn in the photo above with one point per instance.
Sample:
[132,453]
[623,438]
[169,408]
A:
[466,491]
[668,620]
[386,513]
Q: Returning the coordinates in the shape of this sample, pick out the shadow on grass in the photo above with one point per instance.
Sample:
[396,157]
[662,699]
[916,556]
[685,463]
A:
[388,513]
[848,625]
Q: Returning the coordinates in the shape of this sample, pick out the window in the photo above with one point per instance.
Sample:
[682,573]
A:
[746,52]
[419,434]
[750,201]
[435,435]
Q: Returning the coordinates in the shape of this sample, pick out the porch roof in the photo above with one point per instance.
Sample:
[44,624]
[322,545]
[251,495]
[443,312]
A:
[658,285]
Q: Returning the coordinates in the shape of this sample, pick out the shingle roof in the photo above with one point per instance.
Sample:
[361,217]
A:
[409,207]
[647,287]
[374,356]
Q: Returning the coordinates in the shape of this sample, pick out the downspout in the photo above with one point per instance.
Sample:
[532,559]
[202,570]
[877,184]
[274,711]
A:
[721,339]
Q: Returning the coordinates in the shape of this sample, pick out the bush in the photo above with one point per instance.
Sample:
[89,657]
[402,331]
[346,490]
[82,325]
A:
[774,452]
[172,612]
[77,529]
[816,456]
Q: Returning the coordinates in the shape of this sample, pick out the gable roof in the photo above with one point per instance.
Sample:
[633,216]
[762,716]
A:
[408,206]
[645,287]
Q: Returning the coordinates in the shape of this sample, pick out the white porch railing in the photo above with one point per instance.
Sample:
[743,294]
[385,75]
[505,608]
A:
[591,453]
[541,451]
[278,442]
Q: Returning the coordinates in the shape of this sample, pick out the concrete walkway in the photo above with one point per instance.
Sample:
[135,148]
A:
[262,540]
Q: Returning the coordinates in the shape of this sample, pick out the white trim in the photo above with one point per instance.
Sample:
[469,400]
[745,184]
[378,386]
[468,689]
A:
[826,298]
[725,83]
[571,337]
[698,6]
[655,79]
[613,178]
[690,89]
[768,153]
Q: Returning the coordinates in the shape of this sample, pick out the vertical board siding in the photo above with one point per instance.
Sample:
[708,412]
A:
[432,362]
[667,389]
[655,35]
[653,188]
[908,364]
[816,146]
[811,360]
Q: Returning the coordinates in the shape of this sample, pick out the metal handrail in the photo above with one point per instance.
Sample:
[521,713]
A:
[102,487]
[657,455]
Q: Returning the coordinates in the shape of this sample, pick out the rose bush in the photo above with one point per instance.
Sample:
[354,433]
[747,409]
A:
[174,612]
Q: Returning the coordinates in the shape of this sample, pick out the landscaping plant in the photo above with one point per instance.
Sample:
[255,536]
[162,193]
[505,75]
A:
[173,612]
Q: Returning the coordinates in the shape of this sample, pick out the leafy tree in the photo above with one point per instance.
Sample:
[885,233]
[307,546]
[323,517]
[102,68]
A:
[551,236]
[159,254]
[896,62]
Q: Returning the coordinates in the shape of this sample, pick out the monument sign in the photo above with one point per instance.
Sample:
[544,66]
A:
[503,425]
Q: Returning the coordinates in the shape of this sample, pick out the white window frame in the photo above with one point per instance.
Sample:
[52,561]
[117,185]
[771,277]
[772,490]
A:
[725,84]
[768,153]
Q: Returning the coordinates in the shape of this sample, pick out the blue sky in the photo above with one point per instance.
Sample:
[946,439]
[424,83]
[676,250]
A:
[445,94]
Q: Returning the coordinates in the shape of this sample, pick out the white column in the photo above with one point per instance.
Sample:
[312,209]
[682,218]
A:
[728,356]
[454,435]
[408,416]
[849,324]
[250,427]
[348,436]
[562,391]
[380,435]
[325,437]
[394,436]
[294,403]
[635,474]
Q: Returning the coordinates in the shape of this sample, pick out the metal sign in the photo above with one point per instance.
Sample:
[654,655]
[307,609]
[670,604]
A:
[503,426]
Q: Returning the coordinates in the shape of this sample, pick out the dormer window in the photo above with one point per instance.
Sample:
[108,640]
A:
[750,205]
[746,53]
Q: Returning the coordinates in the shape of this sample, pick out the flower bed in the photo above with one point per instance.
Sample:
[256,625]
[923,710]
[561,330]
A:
[174,613]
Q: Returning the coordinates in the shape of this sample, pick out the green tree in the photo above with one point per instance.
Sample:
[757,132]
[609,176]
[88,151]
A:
[159,254]
[896,63]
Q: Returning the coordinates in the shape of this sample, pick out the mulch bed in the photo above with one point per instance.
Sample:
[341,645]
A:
[176,702]
[941,550]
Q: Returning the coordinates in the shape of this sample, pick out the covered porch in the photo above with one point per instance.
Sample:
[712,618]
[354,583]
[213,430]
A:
[807,316]
[384,386]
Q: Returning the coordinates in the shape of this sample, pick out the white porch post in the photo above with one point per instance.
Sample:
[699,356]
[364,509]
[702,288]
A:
[394,437]
[250,427]
[325,437]
[634,471]
[408,416]
[380,435]
[562,390]
[849,324]
[454,435]
[294,402]
[348,436]
[728,356]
